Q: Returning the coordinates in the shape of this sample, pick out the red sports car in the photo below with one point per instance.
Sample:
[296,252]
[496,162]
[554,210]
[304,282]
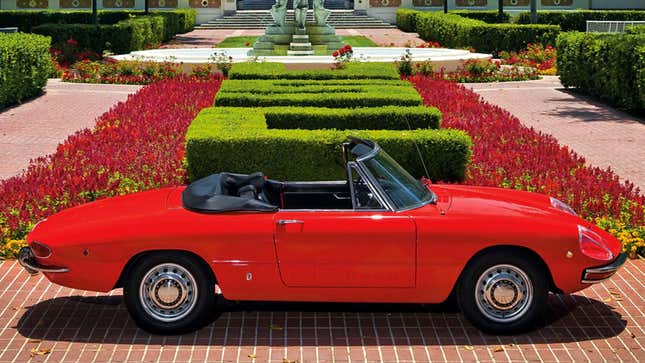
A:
[379,236]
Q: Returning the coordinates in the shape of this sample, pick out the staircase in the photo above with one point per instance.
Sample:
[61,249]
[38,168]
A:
[260,19]
[266,4]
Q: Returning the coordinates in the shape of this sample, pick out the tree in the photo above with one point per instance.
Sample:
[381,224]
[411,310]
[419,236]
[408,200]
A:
[147,6]
[95,18]
[500,7]
[445,6]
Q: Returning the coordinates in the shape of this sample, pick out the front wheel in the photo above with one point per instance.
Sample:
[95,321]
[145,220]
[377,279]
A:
[503,293]
[170,293]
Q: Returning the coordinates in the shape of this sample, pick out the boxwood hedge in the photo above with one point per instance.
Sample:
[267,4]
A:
[220,132]
[368,118]
[268,70]
[24,66]
[370,98]
[313,86]
[454,31]
[607,66]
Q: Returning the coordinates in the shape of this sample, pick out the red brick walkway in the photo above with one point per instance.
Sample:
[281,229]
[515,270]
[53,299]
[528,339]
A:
[37,126]
[603,323]
[605,136]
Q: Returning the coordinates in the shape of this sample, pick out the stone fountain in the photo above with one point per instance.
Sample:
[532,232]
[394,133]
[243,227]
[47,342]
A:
[299,36]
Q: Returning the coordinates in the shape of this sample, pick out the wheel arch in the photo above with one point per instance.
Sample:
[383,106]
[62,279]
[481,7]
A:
[506,248]
[137,257]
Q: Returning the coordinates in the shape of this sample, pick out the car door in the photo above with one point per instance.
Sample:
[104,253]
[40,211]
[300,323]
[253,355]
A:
[367,246]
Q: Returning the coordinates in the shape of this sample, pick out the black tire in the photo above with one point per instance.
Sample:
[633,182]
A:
[495,304]
[196,309]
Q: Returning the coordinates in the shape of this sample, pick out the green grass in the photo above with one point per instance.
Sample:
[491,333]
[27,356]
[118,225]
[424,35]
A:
[247,42]
[237,42]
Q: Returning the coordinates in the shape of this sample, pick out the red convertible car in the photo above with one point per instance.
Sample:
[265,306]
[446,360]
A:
[379,236]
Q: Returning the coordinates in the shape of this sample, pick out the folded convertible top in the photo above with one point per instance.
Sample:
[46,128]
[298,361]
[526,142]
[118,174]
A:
[226,192]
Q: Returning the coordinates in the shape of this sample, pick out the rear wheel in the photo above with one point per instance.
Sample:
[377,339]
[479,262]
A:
[170,293]
[503,292]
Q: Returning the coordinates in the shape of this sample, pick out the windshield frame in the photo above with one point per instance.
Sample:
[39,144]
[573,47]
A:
[376,150]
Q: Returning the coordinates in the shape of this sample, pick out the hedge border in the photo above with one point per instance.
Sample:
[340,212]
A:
[353,70]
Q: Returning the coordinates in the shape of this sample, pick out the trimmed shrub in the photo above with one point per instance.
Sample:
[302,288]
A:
[454,31]
[219,132]
[406,19]
[268,70]
[334,100]
[177,21]
[123,37]
[607,66]
[371,118]
[24,66]
[577,20]
[488,16]
[635,29]
[331,86]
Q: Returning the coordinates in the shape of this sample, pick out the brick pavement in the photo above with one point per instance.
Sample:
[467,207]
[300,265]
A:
[206,38]
[603,323]
[604,136]
[37,126]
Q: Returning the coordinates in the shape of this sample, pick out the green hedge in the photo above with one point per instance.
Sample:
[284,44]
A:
[577,20]
[123,37]
[370,118]
[406,19]
[24,66]
[177,21]
[220,132]
[354,70]
[607,66]
[488,16]
[454,31]
[635,29]
[334,100]
[332,86]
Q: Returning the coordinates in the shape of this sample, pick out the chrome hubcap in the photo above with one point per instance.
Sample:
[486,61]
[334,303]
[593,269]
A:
[503,293]
[168,292]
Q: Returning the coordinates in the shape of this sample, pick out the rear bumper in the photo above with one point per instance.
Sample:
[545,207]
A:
[26,259]
[597,274]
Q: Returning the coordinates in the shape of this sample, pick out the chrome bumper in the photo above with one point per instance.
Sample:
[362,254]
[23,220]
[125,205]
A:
[602,273]
[26,259]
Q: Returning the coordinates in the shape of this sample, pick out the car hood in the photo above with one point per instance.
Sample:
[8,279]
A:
[465,199]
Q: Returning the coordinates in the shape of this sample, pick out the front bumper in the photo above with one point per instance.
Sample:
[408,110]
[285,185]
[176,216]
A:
[593,275]
[26,259]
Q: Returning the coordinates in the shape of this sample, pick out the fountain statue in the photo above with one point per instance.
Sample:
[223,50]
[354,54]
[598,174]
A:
[298,37]
[279,12]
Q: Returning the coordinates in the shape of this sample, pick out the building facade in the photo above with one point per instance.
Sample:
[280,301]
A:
[385,9]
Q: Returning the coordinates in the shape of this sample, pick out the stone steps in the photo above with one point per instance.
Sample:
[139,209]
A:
[340,19]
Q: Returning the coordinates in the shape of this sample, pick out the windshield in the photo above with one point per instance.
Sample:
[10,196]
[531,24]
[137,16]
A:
[404,191]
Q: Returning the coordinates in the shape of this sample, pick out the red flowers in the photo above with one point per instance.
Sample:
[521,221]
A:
[342,56]
[137,145]
[430,45]
[72,42]
[508,154]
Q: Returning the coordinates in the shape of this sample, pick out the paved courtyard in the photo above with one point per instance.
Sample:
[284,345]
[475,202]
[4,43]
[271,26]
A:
[604,136]
[41,322]
[37,126]
[207,38]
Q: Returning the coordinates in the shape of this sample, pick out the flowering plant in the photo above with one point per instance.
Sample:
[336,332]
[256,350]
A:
[68,53]
[429,45]
[122,72]
[536,55]
[342,56]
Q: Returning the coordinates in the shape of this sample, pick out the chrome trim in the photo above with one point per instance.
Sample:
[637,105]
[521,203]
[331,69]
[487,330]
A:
[26,260]
[282,222]
[610,268]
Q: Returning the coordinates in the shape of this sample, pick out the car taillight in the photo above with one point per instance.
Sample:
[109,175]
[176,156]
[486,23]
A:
[592,245]
[40,250]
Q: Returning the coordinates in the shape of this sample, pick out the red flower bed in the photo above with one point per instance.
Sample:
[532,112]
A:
[137,145]
[508,154]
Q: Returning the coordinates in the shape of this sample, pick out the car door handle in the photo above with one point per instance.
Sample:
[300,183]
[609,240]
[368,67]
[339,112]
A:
[282,222]
[340,196]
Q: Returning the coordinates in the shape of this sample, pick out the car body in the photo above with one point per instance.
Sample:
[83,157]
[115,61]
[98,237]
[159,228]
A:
[375,237]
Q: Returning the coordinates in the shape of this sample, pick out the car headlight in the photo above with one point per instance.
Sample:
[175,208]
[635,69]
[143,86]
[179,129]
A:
[560,205]
[592,245]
